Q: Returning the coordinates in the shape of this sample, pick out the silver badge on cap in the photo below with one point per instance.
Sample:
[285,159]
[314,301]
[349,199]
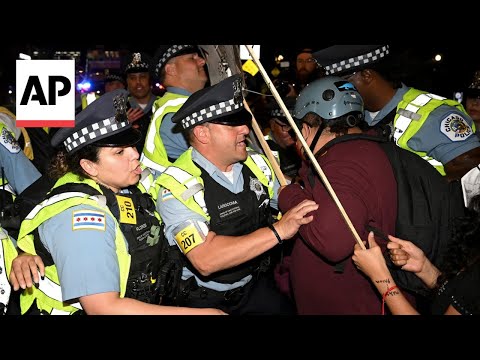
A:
[137,58]
[120,105]
[237,91]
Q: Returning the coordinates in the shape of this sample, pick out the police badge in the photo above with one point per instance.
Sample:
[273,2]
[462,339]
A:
[120,105]
[257,187]
[8,141]
[237,91]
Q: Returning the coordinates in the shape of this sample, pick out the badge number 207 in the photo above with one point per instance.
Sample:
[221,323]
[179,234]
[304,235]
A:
[188,238]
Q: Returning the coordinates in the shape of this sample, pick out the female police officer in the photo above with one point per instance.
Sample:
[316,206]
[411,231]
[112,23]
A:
[96,232]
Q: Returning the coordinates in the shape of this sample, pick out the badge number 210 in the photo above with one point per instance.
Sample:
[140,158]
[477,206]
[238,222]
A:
[127,208]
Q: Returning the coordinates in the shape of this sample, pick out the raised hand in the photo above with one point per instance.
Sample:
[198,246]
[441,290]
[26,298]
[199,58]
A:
[291,221]
[134,114]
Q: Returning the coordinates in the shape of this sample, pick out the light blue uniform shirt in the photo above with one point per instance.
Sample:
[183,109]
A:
[17,168]
[430,138]
[86,259]
[174,213]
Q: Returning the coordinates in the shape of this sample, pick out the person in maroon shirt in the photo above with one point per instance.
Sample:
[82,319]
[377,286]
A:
[323,277]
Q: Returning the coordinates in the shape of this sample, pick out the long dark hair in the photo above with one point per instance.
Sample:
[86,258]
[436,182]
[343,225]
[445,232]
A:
[464,251]
[64,162]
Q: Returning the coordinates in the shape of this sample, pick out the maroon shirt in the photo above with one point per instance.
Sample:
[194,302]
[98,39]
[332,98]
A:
[362,178]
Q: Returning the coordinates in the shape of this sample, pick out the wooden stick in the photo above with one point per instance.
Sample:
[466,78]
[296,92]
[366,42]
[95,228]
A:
[266,148]
[280,102]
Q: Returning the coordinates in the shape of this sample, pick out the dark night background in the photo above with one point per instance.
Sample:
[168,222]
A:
[454,72]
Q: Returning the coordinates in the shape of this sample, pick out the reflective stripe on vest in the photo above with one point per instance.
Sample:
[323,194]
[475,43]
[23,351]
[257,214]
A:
[58,198]
[151,164]
[262,165]
[155,155]
[183,183]
[7,187]
[403,122]
[412,112]
[5,288]
[191,184]
[53,291]
[146,180]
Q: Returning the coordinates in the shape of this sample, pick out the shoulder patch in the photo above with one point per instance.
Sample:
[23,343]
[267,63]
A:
[455,127]
[9,142]
[167,195]
[88,219]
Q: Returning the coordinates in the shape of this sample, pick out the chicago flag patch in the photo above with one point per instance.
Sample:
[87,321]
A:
[88,219]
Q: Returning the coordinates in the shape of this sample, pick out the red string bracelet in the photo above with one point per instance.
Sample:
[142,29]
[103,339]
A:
[385,296]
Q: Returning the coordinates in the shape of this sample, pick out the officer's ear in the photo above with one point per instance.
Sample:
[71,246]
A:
[170,68]
[202,133]
[367,75]
[89,167]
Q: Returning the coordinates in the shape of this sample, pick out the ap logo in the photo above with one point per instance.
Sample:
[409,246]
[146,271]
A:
[45,93]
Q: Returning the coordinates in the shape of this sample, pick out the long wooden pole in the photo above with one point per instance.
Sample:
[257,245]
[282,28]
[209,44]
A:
[317,167]
[266,148]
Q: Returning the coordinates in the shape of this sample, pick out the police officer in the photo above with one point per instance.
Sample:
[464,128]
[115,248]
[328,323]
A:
[97,234]
[280,141]
[472,98]
[181,70]
[215,201]
[141,98]
[17,172]
[7,244]
[435,128]
[113,80]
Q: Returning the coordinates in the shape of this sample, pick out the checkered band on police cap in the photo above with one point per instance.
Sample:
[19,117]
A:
[210,112]
[280,113]
[170,53]
[93,131]
[357,61]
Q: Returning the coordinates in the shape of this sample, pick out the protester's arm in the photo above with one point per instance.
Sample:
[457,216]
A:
[409,257]
[372,263]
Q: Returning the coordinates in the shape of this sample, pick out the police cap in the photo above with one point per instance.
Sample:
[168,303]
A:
[138,62]
[221,103]
[274,110]
[167,52]
[473,89]
[343,59]
[102,123]
[113,75]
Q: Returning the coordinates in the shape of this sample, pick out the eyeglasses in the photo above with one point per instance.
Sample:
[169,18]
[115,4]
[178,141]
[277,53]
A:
[306,61]
[283,126]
